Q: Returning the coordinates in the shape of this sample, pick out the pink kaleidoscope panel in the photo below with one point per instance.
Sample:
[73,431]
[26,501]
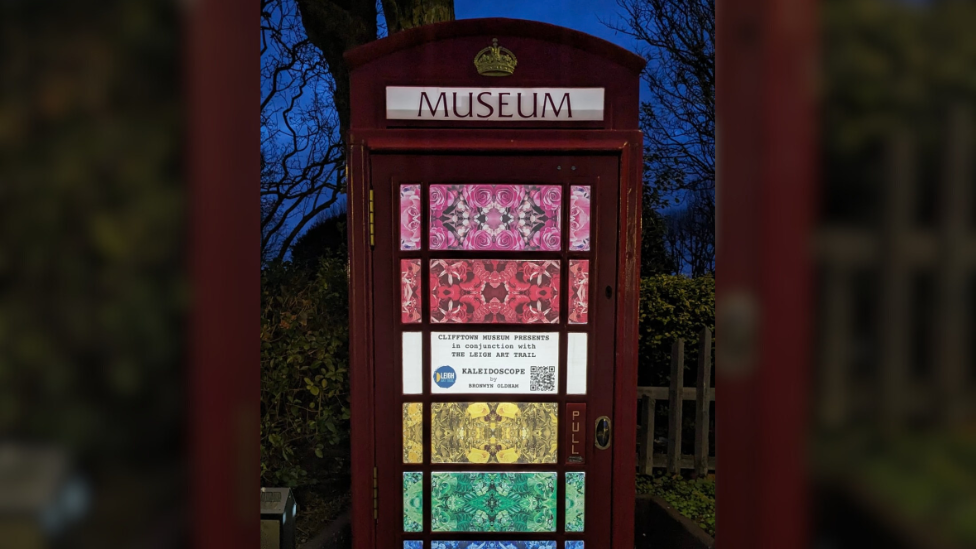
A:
[495,217]
[410,217]
[410,291]
[579,218]
[494,291]
[579,291]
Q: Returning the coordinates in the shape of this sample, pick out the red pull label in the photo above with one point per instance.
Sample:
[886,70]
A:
[575,433]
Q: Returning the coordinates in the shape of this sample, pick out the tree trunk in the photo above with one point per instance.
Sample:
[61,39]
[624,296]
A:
[407,14]
[335,26]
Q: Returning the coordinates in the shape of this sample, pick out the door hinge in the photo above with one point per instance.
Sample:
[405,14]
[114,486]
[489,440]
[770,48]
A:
[376,494]
[372,226]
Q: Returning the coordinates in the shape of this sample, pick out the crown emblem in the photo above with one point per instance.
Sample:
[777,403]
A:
[495,60]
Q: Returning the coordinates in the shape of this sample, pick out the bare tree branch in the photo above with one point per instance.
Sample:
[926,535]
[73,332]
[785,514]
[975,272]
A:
[678,39]
[305,103]
[302,153]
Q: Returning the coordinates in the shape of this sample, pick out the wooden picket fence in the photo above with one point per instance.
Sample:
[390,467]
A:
[703,395]
[883,378]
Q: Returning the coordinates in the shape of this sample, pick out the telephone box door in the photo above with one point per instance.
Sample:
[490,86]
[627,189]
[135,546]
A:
[494,280]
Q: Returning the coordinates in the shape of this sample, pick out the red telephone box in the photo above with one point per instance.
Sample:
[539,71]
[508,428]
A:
[494,214]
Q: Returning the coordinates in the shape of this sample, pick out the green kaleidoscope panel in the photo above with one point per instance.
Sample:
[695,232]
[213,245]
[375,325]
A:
[413,501]
[494,432]
[575,501]
[493,502]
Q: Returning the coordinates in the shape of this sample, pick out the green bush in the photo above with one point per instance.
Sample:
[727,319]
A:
[693,498]
[304,371]
[672,307]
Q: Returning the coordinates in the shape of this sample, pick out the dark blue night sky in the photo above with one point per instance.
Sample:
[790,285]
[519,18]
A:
[581,15]
[586,16]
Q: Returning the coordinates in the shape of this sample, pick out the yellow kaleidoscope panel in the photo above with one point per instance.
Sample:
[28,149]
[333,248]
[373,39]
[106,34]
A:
[494,432]
[413,432]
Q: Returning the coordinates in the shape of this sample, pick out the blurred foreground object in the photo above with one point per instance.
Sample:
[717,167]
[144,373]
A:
[278,511]
[894,452]
[41,498]
[766,129]
[93,293]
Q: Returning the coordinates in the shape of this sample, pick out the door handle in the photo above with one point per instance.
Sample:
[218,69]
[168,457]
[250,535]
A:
[603,433]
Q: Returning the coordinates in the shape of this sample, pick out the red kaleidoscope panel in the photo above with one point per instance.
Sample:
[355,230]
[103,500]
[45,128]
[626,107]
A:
[579,291]
[494,291]
[410,291]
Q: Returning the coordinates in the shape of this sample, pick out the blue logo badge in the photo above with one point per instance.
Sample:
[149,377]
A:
[445,377]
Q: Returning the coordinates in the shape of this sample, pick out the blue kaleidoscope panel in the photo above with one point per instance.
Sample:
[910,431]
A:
[575,544]
[494,545]
[413,544]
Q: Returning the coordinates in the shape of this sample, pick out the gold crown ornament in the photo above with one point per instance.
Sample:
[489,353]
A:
[495,60]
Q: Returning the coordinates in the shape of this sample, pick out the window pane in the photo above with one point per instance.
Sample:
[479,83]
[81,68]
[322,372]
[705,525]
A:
[413,432]
[493,502]
[493,291]
[575,501]
[576,359]
[579,218]
[410,291]
[495,217]
[574,544]
[413,544]
[579,291]
[409,217]
[493,544]
[413,379]
[494,432]
[413,501]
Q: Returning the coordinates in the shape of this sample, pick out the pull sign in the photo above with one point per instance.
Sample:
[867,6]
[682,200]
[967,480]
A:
[576,433]
[603,433]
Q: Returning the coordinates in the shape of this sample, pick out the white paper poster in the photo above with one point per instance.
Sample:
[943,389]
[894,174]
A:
[494,362]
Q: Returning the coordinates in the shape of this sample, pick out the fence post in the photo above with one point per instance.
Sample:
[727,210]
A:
[951,360]
[675,400]
[895,306]
[646,458]
[838,326]
[702,401]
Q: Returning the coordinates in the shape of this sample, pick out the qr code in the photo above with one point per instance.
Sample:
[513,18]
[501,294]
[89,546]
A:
[543,379]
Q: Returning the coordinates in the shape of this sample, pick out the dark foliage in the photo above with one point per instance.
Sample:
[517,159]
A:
[672,307]
[325,238]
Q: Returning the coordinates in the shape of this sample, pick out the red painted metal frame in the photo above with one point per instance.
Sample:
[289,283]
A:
[442,54]
[391,170]
[499,26]
[625,144]
[361,348]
